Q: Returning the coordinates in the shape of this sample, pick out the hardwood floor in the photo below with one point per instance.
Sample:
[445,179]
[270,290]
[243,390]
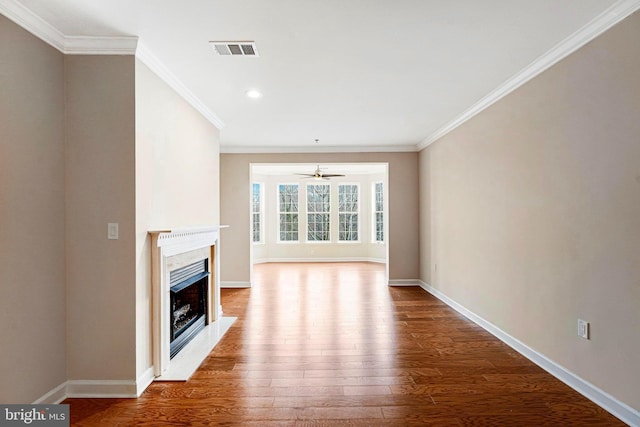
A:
[332,345]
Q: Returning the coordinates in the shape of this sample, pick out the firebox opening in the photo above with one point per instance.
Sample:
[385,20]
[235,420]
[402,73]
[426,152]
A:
[188,304]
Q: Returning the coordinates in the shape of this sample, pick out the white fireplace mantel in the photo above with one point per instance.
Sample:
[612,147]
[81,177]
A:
[167,246]
[181,240]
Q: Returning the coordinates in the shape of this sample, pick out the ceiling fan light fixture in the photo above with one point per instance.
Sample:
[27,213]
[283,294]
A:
[319,175]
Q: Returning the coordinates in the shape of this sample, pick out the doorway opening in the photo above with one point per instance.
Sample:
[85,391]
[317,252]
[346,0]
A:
[329,212]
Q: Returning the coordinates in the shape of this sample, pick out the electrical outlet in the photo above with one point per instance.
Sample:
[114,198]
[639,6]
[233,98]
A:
[583,329]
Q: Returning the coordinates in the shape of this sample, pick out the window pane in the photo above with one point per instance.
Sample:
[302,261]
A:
[318,212]
[288,207]
[379,215]
[379,204]
[348,227]
[348,212]
[256,198]
[318,198]
[318,227]
[288,197]
[256,227]
[379,227]
[348,198]
[256,206]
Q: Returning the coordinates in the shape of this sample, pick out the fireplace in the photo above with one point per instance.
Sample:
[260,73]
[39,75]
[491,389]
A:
[185,298]
[188,303]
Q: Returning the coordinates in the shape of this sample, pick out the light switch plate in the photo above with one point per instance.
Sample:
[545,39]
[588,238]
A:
[112,231]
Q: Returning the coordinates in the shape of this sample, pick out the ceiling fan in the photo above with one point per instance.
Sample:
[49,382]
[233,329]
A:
[318,174]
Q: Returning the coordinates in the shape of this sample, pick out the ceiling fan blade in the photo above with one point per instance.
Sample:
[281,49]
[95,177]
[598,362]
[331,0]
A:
[319,175]
[317,178]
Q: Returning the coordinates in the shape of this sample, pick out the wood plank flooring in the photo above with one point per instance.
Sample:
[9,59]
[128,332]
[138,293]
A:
[331,345]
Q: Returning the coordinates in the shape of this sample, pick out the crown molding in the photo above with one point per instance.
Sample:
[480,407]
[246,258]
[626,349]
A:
[128,45]
[230,149]
[607,19]
[70,45]
[33,23]
[150,60]
[95,45]
[102,45]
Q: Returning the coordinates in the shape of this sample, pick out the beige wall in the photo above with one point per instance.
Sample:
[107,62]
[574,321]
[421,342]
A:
[177,181]
[100,188]
[32,305]
[125,133]
[533,212]
[403,207]
[88,140]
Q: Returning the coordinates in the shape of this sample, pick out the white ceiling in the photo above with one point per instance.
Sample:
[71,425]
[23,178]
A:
[355,74]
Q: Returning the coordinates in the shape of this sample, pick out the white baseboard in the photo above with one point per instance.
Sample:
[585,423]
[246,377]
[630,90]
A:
[233,285]
[316,259]
[96,389]
[621,410]
[101,388]
[54,396]
[144,381]
[404,282]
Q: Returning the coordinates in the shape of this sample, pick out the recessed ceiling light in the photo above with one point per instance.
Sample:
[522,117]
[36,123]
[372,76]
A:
[252,93]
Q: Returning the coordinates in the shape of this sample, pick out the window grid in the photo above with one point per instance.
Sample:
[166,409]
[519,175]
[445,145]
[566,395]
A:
[288,212]
[256,211]
[378,209]
[348,210]
[319,212]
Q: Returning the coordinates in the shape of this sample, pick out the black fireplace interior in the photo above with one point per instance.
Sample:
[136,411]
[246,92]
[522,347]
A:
[188,303]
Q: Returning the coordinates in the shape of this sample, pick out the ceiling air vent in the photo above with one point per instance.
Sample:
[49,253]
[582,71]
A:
[235,48]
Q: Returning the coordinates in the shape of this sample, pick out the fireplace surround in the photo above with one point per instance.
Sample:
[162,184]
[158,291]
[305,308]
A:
[188,256]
